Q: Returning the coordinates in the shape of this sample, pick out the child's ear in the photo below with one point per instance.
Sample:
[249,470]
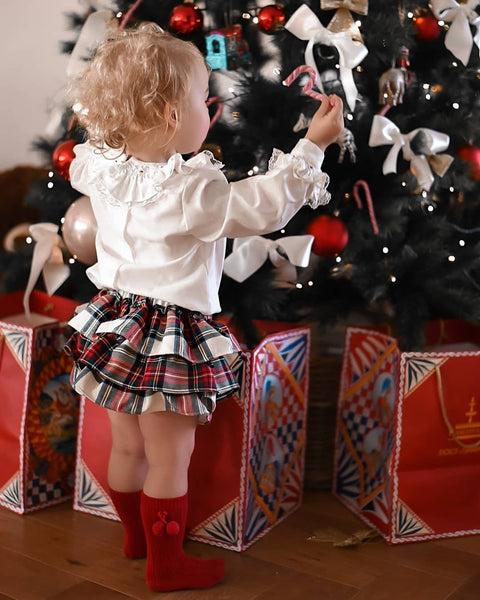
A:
[170,114]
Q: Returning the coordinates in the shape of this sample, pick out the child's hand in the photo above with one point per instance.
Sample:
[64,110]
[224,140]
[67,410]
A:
[327,122]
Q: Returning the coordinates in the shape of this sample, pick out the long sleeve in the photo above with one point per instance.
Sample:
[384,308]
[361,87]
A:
[214,208]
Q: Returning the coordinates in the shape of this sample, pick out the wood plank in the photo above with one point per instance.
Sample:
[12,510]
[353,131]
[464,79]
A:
[468,590]
[86,589]
[26,579]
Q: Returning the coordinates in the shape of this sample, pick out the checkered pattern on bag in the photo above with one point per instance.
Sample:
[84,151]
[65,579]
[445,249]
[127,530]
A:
[41,492]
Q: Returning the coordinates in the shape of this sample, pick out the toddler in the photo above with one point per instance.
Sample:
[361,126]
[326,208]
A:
[146,347]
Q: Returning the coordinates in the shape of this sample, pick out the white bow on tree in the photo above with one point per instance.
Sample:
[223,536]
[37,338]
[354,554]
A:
[250,253]
[305,25]
[47,259]
[384,132]
[459,39]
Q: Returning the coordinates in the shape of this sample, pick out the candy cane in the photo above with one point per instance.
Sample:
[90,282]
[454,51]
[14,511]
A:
[129,13]
[307,88]
[219,110]
[368,198]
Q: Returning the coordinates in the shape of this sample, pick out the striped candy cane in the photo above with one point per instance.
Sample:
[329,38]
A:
[307,88]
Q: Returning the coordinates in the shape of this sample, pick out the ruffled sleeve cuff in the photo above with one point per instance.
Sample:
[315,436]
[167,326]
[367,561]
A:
[307,159]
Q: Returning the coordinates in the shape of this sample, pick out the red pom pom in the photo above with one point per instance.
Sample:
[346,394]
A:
[426,27]
[271,18]
[158,528]
[62,158]
[186,18]
[173,528]
[471,154]
[330,233]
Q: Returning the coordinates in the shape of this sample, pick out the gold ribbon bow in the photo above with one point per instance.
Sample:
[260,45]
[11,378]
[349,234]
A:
[342,20]
[357,6]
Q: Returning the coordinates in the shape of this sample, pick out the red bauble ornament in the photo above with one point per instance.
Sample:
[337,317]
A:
[62,158]
[271,18]
[330,233]
[426,27]
[471,155]
[186,18]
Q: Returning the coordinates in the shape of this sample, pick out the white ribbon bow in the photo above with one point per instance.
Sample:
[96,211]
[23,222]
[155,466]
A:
[93,33]
[384,132]
[249,254]
[48,259]
[459,39]
[305,25]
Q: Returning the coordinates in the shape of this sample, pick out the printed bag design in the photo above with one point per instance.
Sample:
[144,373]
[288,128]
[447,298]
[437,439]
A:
[39,408]
[407,444]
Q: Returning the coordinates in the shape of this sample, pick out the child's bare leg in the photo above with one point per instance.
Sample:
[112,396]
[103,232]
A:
[127,468]
[169,442]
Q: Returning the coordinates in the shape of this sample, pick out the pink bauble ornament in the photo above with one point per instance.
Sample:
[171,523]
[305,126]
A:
[79,231]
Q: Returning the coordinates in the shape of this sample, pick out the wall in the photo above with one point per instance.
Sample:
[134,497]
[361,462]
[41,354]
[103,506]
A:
[32,73]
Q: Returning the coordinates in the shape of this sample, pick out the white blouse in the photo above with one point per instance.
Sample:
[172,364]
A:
[162,227]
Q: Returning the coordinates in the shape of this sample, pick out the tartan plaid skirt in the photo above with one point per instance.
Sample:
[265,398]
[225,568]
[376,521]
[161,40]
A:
[135,355]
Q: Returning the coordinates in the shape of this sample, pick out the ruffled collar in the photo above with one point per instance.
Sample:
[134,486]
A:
[121,179]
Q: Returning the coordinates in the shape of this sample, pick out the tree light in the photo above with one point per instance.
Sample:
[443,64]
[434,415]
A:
[451,258]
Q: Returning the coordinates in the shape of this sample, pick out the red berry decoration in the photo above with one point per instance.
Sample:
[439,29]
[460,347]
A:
[173,528]
[271,18]
[426,27]
[186,18]
[158,528]
[62,158]
[330,233]
[471,155]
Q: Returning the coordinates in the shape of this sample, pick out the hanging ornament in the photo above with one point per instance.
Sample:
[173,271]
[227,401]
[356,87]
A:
[271,18]
[62,158]
[471,154]
[186,18]
[330,235]
[79,231]
[346,141]
[343,20]
[393,83]
[426,26]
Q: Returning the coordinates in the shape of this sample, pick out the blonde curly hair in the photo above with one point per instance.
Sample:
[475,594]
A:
[135,79]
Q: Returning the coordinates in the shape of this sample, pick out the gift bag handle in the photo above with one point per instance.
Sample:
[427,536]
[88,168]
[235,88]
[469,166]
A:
[450,428]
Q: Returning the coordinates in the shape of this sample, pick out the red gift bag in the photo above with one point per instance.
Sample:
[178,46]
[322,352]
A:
[407,448]
[38,409]
[246,473]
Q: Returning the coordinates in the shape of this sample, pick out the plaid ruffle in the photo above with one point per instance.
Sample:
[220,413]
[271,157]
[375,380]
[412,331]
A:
[135,355]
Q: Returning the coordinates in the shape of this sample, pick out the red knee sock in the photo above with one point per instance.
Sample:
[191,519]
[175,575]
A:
[127,505]
[168,568]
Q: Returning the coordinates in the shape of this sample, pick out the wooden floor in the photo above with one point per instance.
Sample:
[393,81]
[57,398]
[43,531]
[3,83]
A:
[60,554]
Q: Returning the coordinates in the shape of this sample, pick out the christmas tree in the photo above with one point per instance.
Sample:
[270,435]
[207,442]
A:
[399,240]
